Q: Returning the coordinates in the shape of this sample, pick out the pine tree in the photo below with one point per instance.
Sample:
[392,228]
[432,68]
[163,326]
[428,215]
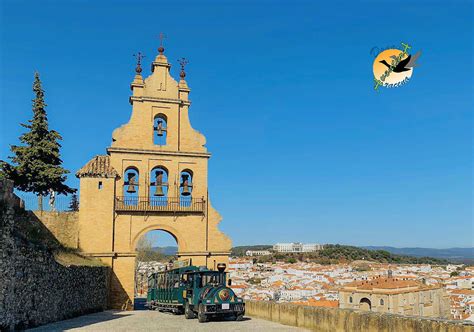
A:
[74,204]
[37,164]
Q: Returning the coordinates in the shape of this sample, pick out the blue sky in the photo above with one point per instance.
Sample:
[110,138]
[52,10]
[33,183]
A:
[303,148]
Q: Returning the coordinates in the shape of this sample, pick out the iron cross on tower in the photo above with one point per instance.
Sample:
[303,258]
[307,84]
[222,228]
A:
[162,36]
[183,62]
[139,57]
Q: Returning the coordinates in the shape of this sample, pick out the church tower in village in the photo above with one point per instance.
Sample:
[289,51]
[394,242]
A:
[154,177]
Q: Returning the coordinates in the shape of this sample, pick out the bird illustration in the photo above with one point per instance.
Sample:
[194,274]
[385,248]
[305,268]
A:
[405,64]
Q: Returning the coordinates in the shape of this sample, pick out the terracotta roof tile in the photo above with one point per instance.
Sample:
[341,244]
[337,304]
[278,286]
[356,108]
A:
[386,284]
[463,291]
[99,166]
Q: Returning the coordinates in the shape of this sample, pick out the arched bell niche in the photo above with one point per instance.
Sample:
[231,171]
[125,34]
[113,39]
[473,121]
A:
[160,129]
[186,187]
[131,186]
[158,193]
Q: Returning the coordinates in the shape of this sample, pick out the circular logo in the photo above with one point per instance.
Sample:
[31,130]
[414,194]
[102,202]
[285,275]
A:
[224,294]
[393,67]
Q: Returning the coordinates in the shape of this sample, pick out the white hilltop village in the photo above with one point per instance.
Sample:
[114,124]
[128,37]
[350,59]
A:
[411,289]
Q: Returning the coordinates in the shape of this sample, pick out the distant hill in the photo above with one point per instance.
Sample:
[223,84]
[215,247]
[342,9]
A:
[465,255]
[168,251]
[351,253]
[336,253]
[375,253]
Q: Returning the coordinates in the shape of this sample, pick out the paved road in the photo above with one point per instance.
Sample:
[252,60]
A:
[118,321]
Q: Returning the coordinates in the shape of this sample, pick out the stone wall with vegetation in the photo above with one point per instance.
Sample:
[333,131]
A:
[63,225]
[343,320]
[35,288]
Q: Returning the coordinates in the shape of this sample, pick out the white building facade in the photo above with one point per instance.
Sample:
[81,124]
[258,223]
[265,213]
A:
[297,247]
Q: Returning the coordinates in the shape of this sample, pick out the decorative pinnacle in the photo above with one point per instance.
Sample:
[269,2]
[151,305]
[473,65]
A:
[183,62]
[139,57]
[161,49]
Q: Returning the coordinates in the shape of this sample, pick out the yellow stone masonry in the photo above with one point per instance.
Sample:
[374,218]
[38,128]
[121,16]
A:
[106,228]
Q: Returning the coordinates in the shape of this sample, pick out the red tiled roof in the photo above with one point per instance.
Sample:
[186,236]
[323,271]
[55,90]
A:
[99,166]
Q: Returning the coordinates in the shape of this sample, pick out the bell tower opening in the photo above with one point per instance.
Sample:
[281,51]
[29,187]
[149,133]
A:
[186,188]
[131,186]
[159,186]
[160,129]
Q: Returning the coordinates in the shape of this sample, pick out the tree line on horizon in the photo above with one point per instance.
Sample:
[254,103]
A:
[337,253]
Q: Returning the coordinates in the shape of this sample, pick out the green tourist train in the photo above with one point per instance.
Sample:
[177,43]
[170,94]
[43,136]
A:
[194,291]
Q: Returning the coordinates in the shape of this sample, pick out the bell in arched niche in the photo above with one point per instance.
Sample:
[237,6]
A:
[159,184]
[160,129]
[185,185]
[131,183]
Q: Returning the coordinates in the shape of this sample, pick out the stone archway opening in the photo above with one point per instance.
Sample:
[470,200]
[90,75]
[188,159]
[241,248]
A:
[365,304]
[155,250]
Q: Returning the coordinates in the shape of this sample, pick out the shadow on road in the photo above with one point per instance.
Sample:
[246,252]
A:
[82,321]
[223,319]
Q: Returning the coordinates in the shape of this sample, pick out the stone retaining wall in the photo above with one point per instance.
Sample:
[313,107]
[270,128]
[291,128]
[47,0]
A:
[34,288]
[343,320]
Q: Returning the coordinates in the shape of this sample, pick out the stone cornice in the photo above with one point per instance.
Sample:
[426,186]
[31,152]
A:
[157,152]
[160,100]
[138,85]
[159,64]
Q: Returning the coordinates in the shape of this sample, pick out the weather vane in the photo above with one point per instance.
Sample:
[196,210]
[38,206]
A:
[139,57]
[183,62]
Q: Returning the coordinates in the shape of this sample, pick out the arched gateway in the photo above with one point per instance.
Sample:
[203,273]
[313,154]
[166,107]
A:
[154,176]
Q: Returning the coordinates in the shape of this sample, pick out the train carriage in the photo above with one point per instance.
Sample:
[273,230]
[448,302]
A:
[194,291]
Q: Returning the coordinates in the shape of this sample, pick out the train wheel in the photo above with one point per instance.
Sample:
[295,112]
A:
[188,313]
[202,317]
[180,311]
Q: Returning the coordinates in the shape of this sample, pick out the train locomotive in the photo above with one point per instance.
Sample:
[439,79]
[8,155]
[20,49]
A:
[195,292]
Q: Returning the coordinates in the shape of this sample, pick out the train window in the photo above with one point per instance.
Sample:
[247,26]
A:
[213,279]
[198,281]
[176,280]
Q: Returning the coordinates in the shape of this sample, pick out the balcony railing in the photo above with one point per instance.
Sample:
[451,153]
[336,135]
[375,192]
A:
[160,204]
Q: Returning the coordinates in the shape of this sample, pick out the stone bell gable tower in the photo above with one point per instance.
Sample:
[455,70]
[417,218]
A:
[154,177]
[159,98]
